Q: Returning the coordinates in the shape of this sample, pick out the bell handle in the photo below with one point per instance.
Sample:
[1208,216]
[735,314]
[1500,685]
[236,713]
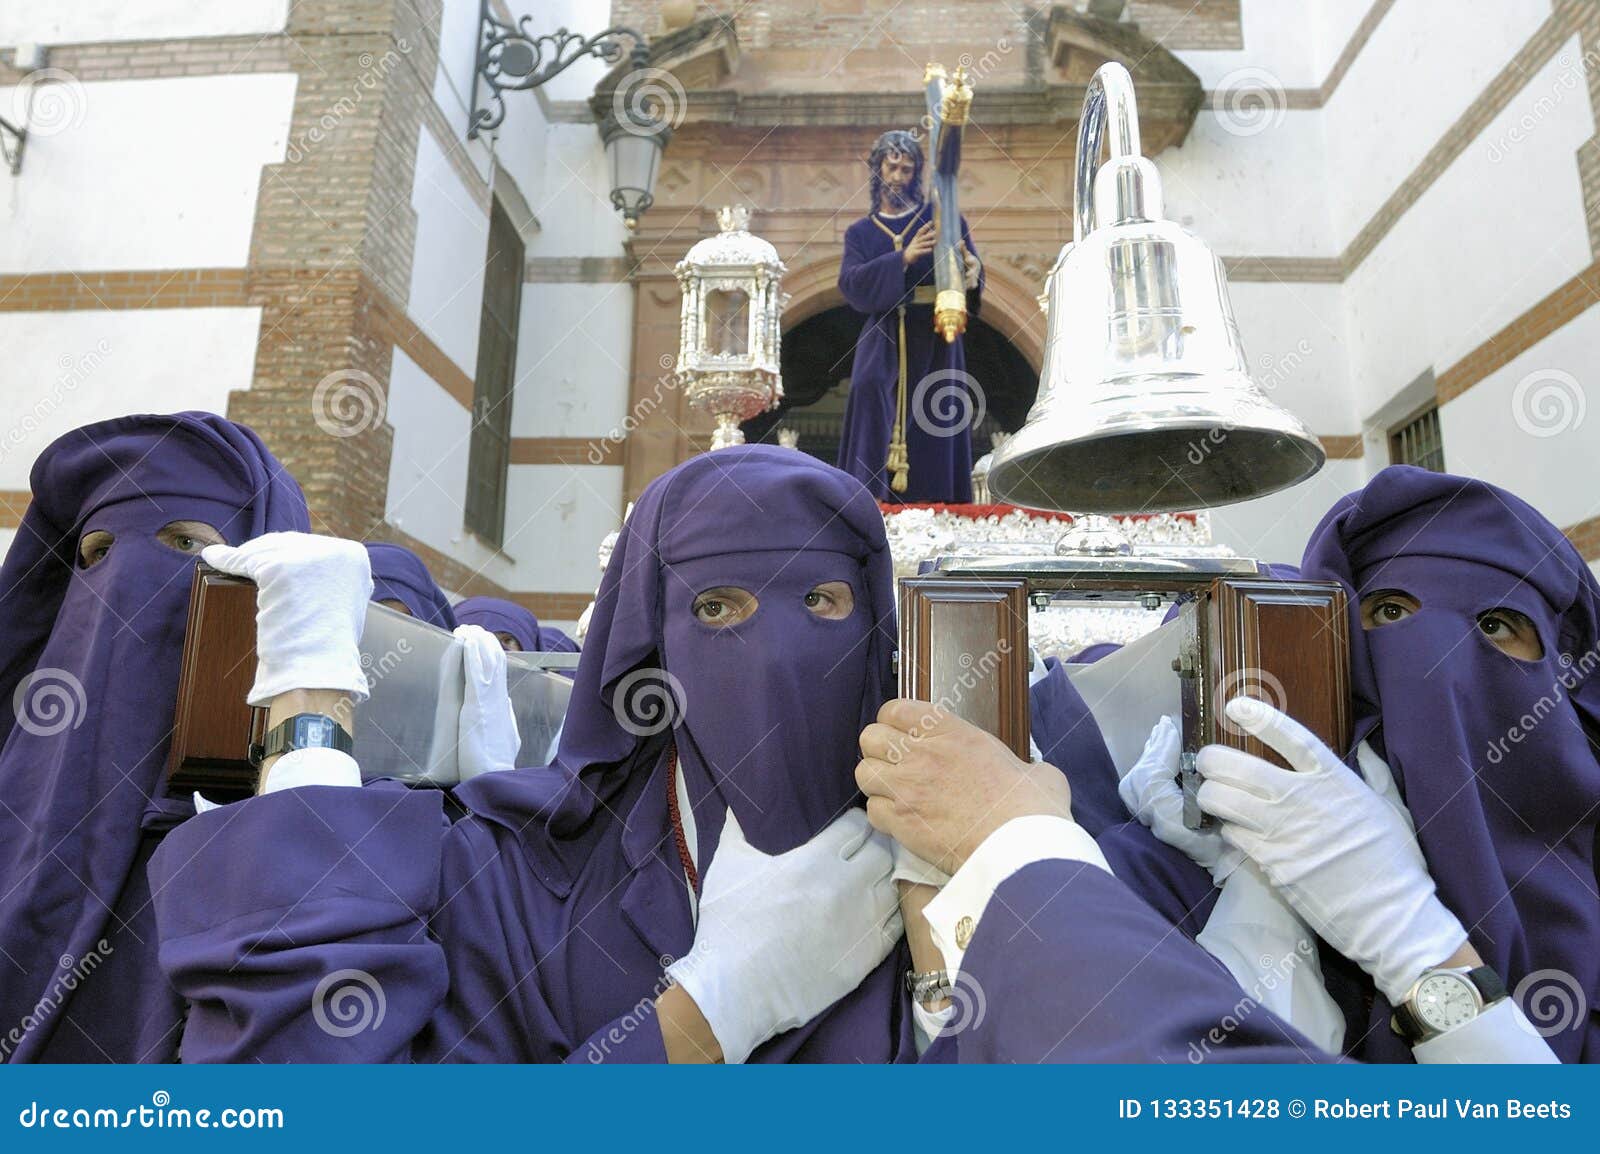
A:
[1109,99]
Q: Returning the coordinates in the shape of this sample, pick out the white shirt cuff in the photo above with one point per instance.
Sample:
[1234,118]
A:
[953,914]
[929,1024]
[1501,1034]
[301,767]
[312,767]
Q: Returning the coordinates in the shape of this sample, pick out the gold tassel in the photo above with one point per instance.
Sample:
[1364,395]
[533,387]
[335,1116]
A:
[899,464]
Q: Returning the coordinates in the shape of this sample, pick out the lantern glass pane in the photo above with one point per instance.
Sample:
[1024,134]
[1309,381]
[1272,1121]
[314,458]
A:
[727,322]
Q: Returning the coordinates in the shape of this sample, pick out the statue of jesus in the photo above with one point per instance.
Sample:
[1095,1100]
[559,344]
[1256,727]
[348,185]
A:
[888,275]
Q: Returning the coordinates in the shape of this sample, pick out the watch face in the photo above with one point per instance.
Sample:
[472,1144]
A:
[1445,1001]
[316,731]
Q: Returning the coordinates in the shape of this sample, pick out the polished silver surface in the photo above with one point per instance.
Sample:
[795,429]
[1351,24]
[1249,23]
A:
[408,728]
[1146,402]
[1046,565]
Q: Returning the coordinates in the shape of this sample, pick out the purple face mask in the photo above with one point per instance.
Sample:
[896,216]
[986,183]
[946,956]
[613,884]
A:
[1492,752]
[795,681]
[772,708]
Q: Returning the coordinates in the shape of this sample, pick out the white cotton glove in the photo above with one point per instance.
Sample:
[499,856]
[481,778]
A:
[1346,859]
[311,604]
[780,939]
[487,739]
[1152,794]
[908,867]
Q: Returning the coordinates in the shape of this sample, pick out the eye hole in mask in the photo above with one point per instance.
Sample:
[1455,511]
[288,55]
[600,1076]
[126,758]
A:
[1511,632]
[727,605]
[1387,607]
[184,536]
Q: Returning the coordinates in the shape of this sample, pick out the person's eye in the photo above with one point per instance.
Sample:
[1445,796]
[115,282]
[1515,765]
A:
[94,547]
[1512,632]
[723,606]
[1387,607]
[833,600]
[188,536]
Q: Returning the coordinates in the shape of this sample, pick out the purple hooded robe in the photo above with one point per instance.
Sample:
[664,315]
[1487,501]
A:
[90,658]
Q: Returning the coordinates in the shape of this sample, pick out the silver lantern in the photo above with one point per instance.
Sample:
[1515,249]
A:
[1146,404]
[728,342]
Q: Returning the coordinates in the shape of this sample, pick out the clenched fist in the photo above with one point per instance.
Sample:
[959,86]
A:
[940,785]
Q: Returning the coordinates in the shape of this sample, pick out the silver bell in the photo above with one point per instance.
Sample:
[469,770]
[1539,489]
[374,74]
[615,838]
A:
[1146,403]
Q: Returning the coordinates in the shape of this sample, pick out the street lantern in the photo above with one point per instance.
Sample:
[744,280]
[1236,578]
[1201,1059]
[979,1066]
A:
[634,140]
[512,58]
[728,339]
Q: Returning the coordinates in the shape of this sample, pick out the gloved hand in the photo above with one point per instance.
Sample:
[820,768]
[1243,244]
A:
[487,739]
[1346,859]
[311,605]
[1152,794]
[780,939]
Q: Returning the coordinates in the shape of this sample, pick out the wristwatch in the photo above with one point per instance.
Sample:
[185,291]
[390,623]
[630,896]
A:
[929,986]
[1443,999]
[303,731]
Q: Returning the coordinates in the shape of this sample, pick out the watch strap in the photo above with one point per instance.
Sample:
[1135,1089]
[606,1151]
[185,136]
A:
[929,985]
[303,731]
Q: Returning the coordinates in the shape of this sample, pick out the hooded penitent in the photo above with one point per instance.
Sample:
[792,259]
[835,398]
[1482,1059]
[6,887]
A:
[764,717]
[398,574]
[89,660]
[1494,755]
[499,616]
[765,714]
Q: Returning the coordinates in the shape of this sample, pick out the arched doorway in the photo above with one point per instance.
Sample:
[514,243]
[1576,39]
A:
[816,358]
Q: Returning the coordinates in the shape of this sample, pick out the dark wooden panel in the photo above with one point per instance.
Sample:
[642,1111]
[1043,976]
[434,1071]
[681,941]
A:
[213,727]
[964,645]
[1287,643]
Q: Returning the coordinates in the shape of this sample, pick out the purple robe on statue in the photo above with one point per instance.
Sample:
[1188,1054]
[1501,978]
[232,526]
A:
[940,414]
[91,657]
